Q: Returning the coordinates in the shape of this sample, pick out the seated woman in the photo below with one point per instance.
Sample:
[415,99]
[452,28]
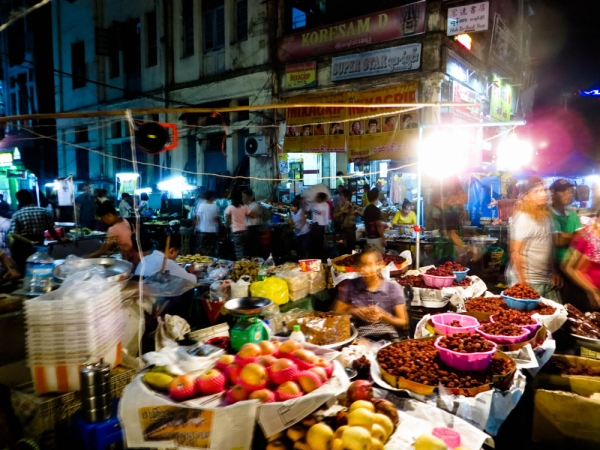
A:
[377,305]
[406,216]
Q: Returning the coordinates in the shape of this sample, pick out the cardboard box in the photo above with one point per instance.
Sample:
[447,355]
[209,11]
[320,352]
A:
[565,417]
[563,411]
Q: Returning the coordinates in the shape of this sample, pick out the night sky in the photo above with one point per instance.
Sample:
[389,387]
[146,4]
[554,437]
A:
[566,57]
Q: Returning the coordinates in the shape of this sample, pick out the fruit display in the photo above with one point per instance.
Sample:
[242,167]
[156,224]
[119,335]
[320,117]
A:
[455,323]
[493,305]
[515,317]
[416,365]
[194,259]
[452,267]
[466,343]
[522,292]
[440,272]
[416,281]
[464,283]
[241,268]
[559,367]
[586,325]
[363,424]
[362,366]
[258,371]
[501,329]
[351,261]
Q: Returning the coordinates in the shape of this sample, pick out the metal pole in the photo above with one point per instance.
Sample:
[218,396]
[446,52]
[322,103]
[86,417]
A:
[37,190]
[419,203]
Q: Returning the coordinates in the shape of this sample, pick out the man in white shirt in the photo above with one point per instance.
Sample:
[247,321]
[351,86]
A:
[207,220]
[125,208]
[153,262]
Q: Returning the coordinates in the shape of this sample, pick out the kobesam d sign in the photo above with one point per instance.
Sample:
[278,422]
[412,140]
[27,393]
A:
[365,133]
[377,62]
[301,75]
[382,26]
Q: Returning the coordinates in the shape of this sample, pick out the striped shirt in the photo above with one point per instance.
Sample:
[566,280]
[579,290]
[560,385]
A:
[31,222]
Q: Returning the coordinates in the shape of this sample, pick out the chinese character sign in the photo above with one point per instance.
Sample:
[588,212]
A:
[468,19]
[501,100]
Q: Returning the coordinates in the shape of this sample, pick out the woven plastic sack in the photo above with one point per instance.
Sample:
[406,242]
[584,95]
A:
[275,289]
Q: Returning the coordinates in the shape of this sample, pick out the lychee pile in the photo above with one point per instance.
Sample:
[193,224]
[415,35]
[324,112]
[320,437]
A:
[268,372]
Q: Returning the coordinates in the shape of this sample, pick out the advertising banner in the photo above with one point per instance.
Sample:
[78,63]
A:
[382,26]
[365,133]
[500,100]
[461,94]
[377,62]
[302,75]
[468,18]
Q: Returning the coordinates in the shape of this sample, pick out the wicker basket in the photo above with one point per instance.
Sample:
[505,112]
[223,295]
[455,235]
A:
[40,414]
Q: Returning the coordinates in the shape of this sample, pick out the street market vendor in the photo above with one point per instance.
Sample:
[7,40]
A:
[378,305]
[153,262]
[119,234]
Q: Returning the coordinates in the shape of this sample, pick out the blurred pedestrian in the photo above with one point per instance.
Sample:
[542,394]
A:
[125,209]
[530,231]
[301,228]
[235,217]
[345,216]
[86,208]
[255,223]
[373,223]
[207,220]
[320,218]
[144,205]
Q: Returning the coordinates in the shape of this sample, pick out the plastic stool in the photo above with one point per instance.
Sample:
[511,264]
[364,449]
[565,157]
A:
[99,435]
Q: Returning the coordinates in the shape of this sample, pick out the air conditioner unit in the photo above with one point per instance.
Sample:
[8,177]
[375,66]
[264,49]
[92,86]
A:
[255,146]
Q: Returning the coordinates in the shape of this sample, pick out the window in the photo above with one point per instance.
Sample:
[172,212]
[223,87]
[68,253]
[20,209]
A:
[298,18]
[214,25]
[81,134]
[151,40]
[243,115]
[116,131]
[78,73]
[114,64]
[187,17]
[241,20]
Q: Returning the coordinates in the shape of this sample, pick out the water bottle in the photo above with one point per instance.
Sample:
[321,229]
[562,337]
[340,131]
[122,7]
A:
[39,271]
[270,264]
[262,273]
[297,334]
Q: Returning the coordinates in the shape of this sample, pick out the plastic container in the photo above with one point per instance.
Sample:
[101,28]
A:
[519,303]
[297,334]
[39,272]
[460,276]
[450,437]
[437,282]
[465,361]
[530,328]
[310,265]
[262,274]
[505,340]
[440,322]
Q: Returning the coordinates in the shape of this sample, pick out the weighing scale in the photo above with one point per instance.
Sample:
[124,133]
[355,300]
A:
[249,328]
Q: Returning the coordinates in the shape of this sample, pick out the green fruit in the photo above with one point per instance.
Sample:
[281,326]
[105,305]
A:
[158,381]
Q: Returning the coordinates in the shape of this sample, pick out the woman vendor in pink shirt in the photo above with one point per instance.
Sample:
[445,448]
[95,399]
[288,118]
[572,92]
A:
[119,234]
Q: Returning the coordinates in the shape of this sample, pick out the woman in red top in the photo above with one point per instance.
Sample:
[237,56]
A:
[584,265]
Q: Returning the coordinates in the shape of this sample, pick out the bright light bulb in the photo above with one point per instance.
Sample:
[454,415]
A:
[514,153]
[444,154]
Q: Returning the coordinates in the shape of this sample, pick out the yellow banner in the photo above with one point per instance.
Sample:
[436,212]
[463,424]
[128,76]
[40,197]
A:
[365,133]
[301,75]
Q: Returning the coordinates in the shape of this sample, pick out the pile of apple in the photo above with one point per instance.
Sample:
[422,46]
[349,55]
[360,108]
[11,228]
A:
[268,371]
[366,424]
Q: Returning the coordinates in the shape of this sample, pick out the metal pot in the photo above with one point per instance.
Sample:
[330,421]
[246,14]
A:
[116,269]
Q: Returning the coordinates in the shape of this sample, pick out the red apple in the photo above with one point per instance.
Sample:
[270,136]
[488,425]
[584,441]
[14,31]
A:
[264,395]
[253,377]
[211,382]
[320,371]
[309,381]
[232,372]
[359,390]
[182,388]
[283,370]
[267,360]
[224,361]
[236,394]
[267,347]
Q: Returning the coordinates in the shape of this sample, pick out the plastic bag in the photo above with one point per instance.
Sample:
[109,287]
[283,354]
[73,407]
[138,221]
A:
[240,287]
[221,290]
[295,280]
[275,289]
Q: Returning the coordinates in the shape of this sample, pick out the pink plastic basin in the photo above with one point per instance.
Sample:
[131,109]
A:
[440,322]
[437,282]
[505,340]
[450,437]
[465,361]
[532,329]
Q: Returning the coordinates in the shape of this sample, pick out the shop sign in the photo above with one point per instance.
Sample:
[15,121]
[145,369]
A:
[302,75]
[6,159]
[500,100]
[376,62]
[382,26]
[504,47]
[468,18]
[461,70]
[461,94]
[365,133]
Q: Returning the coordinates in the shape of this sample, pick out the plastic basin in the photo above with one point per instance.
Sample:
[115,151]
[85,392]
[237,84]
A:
[520,304]
[440,322]
[460,276]
[465,361]
[437,282]
[505,340]
[531,329]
